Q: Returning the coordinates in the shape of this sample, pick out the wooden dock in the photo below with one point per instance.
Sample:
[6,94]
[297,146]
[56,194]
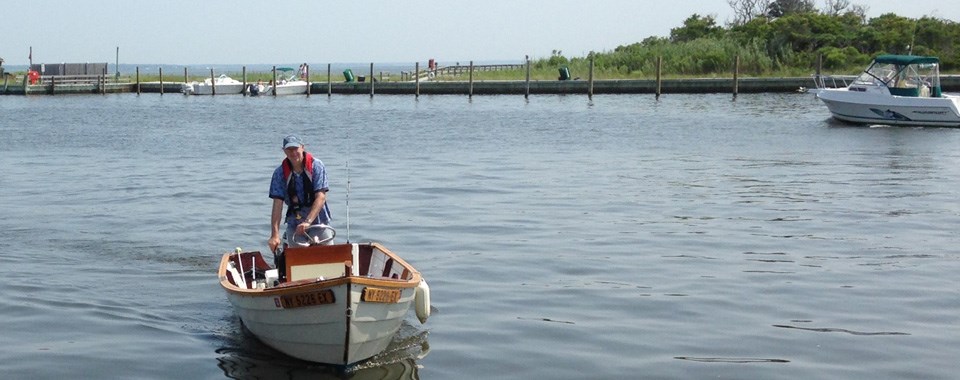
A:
[104,85]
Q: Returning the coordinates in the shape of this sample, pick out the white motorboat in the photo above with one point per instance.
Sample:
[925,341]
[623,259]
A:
[894,90]
[223,85]
[290,85]
[336,304]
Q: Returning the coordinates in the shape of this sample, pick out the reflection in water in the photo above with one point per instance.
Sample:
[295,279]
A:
[247,358]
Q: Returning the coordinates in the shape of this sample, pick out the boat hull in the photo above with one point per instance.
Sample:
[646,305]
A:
[290,88]
[206,89]
[320,333]
[876,108]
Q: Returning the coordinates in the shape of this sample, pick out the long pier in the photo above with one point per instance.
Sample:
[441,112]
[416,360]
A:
[499,87]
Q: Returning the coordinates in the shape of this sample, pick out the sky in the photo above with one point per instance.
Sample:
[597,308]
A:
[385,31]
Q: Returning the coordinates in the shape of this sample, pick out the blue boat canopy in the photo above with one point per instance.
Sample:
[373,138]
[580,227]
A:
[905,59]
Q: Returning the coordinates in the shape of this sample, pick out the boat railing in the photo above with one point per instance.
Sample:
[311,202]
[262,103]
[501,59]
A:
[74,79]
[832,81]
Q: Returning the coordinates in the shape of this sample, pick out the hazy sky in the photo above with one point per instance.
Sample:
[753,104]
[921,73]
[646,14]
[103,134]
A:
[314,31]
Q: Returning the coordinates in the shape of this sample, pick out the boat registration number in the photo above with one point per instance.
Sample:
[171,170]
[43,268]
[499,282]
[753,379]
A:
[307,299]
[381,295]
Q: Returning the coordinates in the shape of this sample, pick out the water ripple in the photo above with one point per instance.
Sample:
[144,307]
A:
[829,329]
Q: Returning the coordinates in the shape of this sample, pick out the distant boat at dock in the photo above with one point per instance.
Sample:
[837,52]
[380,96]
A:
[223,85]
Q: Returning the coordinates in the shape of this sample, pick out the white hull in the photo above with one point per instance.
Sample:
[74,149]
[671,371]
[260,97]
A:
[317,333]
[349,325]
[222,89]
[297,87]
[875,107]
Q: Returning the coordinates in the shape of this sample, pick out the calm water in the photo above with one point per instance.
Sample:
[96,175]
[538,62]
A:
[694,237]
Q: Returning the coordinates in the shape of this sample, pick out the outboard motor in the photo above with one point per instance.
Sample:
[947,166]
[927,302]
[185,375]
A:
[253,89]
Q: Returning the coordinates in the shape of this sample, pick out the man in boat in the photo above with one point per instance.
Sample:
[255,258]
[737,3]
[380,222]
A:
[301,182]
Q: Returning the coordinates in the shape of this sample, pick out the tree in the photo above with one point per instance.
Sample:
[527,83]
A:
[745,11]
[780,8]
[835,7]
[695,27]
[890,34]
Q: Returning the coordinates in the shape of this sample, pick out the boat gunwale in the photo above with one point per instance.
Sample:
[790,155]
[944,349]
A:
[300,286]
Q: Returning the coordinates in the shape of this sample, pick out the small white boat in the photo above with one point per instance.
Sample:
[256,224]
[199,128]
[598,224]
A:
[339,304]
[223,85]
[291,85]
[894,90]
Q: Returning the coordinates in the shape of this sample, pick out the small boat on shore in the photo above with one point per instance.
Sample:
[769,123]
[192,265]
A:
[223,85]
[335,304]
[901,90]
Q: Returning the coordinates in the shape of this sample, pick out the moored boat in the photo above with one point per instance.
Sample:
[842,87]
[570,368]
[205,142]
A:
[292,85]
[894,90]
[336,304]
[223,85]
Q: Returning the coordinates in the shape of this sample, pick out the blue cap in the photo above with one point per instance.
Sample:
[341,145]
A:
[292,141]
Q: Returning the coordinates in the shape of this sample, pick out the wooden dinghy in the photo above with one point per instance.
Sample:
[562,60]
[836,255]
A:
[340,304]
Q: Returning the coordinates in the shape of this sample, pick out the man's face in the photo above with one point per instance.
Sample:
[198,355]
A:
[295,154]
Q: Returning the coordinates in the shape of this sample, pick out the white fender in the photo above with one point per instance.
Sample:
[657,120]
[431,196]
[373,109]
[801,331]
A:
[422,300]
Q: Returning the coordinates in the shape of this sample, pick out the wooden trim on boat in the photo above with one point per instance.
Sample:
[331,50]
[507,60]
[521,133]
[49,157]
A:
[306,284]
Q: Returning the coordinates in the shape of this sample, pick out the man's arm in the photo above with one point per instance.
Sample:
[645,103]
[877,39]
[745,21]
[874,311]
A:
[318,200]
[275,217]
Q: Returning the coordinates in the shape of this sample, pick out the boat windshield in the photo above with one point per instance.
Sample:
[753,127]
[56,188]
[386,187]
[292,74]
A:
[916,77]
[878,74]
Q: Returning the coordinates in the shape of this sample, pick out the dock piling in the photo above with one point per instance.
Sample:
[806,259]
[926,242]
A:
[471,80]
[160,72]
[659,78]
[416,77]
[736,74]
[590,80]
[371,79]
[138,80]
[817,79]
[526,94]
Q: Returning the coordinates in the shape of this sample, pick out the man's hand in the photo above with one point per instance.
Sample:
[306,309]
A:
[302,228]
[273,243]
